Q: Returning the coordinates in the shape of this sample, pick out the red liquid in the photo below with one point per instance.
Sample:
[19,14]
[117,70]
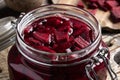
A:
[55,35]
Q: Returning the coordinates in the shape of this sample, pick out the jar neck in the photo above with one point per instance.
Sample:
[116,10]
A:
[40,56]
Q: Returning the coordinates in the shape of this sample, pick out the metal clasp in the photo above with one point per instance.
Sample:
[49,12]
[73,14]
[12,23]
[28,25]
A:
[102,54]
[90,68]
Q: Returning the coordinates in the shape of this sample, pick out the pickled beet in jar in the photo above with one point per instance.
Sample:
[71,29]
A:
[59,42]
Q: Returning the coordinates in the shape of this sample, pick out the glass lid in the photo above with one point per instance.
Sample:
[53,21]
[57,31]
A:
[7,32]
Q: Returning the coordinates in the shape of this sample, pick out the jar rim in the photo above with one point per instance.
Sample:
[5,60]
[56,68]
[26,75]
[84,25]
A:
[96,41]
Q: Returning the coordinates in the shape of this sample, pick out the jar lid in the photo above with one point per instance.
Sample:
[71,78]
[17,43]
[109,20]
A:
[7,32]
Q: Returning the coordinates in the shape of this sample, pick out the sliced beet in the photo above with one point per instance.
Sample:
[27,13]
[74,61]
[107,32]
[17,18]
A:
[93,1]
[44,37]
[80,4]
[44,48]
[77,25]
[26,39]
[34,41]
[110,4]
[40,28]
[115,14]
[61,36]
[57,34]
[61,47]
[65,27]
[28,29]
[75,48]
[86,33]
[94,5]
[54,21]
[91,4]
[92,11]
[101,4]
[80,42]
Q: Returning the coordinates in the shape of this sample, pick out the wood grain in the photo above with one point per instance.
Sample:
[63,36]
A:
[3,65]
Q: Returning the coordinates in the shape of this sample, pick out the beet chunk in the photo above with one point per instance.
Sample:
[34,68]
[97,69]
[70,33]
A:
[92,11]
[54,21]
[101,3]
[58,34]
[28,29]
[61,47]
[80,4]
[78,27]
[115,14]
[75,48]
[91,4]
[34,41]
[61,37]
[44,37]
[65,27]
[93,0]
[86,33]
[80,42]
[110,4]
[44,48]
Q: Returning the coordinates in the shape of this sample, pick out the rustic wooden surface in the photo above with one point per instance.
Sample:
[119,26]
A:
[3,65]
[4,75]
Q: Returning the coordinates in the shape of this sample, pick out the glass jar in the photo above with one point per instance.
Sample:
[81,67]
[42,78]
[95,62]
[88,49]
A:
[28,63]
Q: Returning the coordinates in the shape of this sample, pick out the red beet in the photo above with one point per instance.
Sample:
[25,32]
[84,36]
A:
[76,24]
[64,46]
[44,48]
[80,42]
[61,37]
[93,0]
[86,33]
[75,48]
[61,47]
[28,29]
[80,4]
[78,27]
[54,21]
[110,4]
[115,14]
[92,11]
[58,34]
[34,41]
[44,37]
[65,27]
[101,4]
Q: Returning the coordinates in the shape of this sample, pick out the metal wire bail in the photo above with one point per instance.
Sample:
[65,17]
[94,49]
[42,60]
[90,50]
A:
[90,68]
[102,54]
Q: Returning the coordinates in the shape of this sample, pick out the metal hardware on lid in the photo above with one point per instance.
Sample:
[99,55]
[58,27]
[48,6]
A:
[90,67]
[107,63]
[20,17]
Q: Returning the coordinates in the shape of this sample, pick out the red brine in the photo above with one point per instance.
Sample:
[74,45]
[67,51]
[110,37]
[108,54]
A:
[57,34]
[54,34]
